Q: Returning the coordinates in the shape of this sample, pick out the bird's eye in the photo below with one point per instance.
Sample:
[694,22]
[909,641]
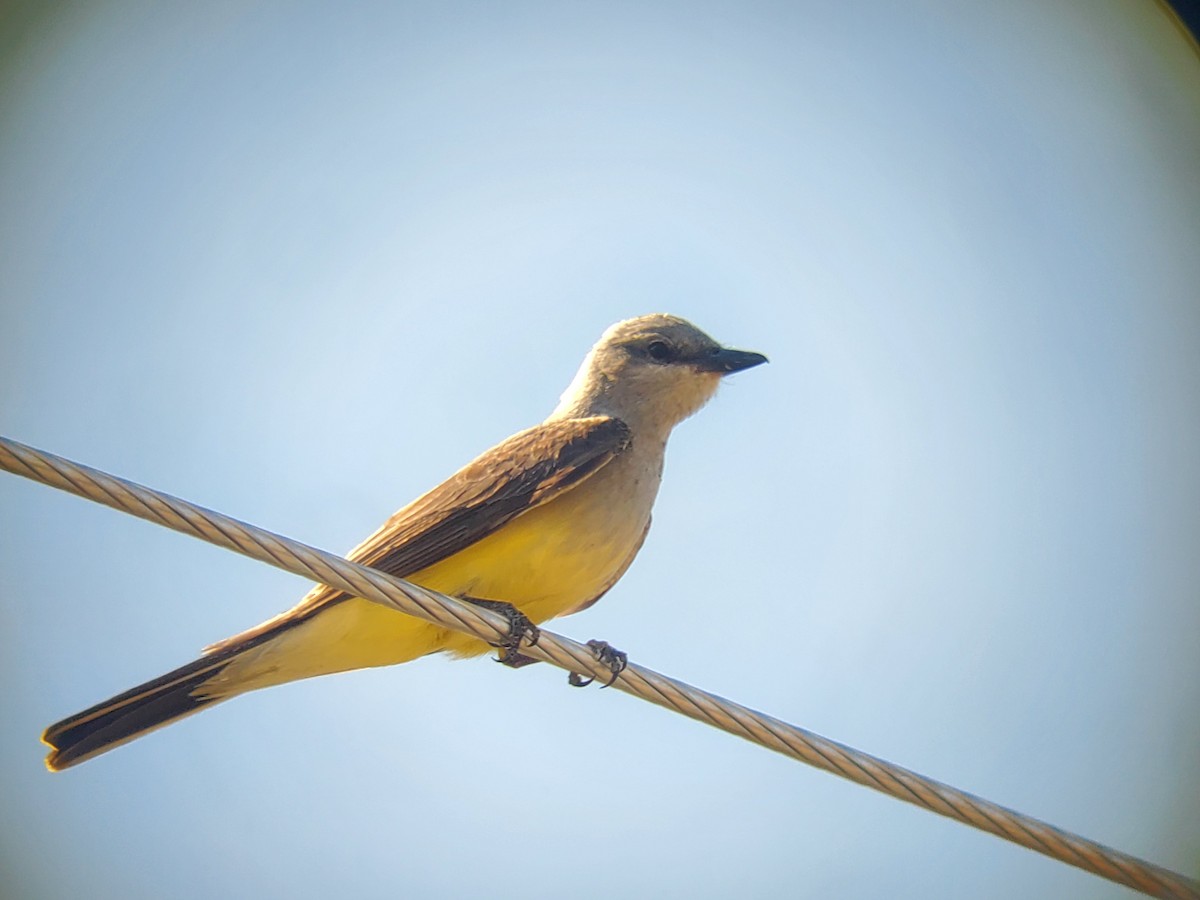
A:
[660,351]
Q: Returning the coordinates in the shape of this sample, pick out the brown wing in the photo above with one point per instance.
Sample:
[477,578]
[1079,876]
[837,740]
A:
[522,472]
[516,475]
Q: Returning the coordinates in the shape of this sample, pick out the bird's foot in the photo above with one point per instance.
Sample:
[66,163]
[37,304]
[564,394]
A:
[520,627]
[607,655]
[514,660]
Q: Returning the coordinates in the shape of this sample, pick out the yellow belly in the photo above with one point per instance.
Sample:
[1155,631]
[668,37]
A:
[546,562]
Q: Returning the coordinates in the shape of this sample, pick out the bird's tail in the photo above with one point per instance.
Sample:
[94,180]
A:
[141,709]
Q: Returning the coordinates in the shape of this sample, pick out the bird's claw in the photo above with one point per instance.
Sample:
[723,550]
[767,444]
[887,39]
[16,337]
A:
[606,655]
[520,627]
[514,660]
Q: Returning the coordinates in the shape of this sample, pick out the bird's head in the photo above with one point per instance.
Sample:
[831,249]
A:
[652,372]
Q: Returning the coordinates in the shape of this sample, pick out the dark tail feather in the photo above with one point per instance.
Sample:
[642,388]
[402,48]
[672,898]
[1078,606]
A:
[133,713]
[156,703]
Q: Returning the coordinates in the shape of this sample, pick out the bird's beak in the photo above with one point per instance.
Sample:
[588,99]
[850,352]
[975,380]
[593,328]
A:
[724,361]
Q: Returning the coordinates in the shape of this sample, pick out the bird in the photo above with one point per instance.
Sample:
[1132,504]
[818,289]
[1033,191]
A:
[539,526]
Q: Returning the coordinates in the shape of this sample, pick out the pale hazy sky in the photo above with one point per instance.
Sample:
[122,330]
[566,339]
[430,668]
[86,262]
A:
[299,261]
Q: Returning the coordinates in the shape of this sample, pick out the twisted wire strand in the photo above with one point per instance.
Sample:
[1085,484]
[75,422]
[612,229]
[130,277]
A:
[774,734]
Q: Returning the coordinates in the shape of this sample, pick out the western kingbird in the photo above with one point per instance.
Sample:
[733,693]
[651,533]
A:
[541,525]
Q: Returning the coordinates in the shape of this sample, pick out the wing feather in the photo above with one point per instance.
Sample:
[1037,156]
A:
[517,475]
[522,472]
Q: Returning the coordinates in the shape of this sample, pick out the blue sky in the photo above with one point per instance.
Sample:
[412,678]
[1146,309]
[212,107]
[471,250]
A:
[297,262]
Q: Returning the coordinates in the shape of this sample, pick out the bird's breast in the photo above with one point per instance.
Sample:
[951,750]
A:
[559,555]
